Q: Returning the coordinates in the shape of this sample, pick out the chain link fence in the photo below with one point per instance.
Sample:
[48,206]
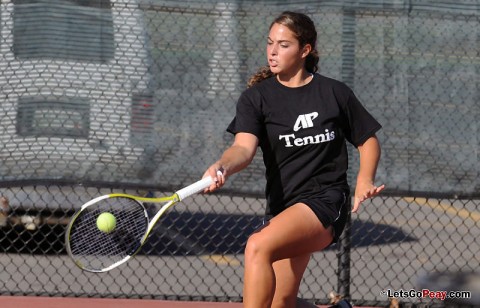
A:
[135,95]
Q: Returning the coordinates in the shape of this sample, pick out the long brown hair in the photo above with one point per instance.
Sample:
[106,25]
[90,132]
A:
[304,30]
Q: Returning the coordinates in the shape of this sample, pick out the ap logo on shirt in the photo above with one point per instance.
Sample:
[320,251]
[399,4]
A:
[306,121]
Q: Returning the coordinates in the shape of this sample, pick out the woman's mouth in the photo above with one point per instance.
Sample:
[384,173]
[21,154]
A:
[272,63]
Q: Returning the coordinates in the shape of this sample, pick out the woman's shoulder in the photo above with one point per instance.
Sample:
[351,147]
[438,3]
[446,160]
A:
[261,87]
[265,84]
[331,83]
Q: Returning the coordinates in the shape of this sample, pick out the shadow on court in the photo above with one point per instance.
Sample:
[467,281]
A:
[199,234]
[183,234]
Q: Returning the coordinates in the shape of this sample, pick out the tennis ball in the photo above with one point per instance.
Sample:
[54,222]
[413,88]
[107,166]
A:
[106,222]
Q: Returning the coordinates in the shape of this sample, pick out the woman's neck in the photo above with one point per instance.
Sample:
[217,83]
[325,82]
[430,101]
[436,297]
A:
[297,80]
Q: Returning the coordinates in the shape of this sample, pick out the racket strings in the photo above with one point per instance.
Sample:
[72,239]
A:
[96,250]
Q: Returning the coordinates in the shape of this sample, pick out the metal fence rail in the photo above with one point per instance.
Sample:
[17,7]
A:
[134,96]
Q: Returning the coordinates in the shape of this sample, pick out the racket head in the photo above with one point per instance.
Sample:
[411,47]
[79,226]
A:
[96,251]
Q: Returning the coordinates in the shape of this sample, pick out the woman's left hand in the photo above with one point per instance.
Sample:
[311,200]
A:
[364,191]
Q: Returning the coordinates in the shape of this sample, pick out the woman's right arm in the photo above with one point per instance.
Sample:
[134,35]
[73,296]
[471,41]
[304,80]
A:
[235,158]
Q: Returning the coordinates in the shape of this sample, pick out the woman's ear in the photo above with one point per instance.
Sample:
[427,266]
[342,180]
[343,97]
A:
[306,50]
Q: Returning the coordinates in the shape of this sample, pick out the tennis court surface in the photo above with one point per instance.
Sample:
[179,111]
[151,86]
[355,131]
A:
[73,302]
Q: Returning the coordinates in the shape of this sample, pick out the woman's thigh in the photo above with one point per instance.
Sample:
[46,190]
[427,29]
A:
[295,232]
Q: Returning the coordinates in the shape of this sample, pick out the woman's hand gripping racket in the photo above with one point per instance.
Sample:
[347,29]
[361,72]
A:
[98,243]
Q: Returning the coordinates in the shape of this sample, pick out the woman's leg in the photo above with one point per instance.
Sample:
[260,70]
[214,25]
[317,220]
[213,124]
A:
[294,234]
[288,275]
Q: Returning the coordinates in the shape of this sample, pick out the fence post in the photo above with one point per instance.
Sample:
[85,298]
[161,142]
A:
[343,256]
[348,76]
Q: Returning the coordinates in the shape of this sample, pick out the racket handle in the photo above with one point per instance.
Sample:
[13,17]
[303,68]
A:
[195,187]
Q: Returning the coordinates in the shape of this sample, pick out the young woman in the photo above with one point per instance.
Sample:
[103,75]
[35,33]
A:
[301,120]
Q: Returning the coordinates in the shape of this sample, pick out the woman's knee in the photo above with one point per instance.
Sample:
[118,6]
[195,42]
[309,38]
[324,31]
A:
[257,249]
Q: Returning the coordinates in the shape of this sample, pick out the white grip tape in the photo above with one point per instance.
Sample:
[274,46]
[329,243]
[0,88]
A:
[194,188]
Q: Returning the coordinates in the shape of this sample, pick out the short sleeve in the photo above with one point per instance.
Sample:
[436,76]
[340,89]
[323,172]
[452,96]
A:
[248,117]
[360,124]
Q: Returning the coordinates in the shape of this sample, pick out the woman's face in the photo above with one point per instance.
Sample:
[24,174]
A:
[284,53]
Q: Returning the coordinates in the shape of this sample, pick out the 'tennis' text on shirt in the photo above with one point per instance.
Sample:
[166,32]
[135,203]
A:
[306,121]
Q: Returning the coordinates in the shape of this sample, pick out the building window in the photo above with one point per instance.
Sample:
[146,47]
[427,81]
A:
[79,30]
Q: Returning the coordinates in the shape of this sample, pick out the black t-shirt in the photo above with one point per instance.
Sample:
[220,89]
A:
[302,133]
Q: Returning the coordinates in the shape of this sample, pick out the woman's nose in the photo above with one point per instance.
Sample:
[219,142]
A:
[273,49]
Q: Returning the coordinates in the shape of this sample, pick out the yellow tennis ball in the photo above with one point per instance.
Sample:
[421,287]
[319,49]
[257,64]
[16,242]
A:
[106,222]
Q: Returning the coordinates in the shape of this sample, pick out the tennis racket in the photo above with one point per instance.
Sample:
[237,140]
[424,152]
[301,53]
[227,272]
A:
[98,251]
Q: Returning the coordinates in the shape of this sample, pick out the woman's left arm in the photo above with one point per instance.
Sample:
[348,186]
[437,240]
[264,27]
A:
[369,156]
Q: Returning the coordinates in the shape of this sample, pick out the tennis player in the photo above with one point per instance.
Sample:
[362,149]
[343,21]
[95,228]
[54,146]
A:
[301,120]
